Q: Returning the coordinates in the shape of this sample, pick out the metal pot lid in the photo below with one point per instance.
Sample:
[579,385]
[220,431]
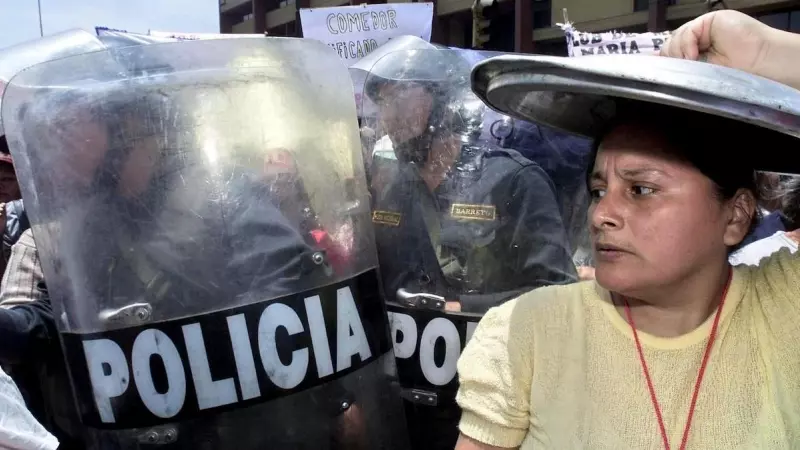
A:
[580,95]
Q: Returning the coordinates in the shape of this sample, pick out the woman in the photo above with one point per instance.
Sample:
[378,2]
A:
[670,346]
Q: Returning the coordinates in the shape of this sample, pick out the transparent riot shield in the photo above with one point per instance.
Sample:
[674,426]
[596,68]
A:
[206,246]
[463,222]
[59,45]
[565,158]
[372,144]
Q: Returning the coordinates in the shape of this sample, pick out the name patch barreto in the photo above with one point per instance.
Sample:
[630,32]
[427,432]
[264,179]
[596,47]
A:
[473,212]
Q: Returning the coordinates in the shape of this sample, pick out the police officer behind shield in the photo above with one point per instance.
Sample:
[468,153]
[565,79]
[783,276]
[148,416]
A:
[113,145]
[158,242]
[457,217]
[457,220]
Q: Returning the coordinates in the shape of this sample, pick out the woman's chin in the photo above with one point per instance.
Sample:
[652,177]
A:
[615,280]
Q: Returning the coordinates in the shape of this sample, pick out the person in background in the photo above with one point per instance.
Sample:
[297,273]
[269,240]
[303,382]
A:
[10,198]
[29,349]
[771,221]
[570,366]
[791,207]
[787,236]
[19,430]
[9,187]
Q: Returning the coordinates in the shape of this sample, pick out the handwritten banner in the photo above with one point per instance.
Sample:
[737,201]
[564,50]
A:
[613,42]
[355,31]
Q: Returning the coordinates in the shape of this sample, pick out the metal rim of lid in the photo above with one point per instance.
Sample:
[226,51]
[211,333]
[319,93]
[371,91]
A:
[580,97]
[500,80]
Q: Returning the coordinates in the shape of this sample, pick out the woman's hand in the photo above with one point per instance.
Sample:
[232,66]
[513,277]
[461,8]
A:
[728,38]
[733,39]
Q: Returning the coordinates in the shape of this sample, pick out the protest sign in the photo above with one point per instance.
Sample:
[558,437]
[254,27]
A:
[355,31]
[613,42]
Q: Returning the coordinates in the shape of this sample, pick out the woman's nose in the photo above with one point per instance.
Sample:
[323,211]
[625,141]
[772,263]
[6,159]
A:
[605,213]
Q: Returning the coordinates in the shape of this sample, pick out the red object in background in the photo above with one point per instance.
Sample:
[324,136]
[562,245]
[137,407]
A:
[280,162]
[336,255]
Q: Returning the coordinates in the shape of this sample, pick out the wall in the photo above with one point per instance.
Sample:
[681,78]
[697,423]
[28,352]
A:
[583,10]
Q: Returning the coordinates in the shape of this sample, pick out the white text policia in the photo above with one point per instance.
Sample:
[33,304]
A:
[110,367]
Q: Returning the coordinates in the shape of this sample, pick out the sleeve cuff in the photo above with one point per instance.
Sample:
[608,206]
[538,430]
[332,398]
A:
[489,433]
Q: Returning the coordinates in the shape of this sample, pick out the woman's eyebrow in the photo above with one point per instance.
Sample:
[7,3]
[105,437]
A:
[637,172]
[641,171]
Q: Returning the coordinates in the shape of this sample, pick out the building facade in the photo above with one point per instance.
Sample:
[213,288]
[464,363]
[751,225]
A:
[528,26]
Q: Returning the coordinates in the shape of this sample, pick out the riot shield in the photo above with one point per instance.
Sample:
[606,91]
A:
[203,237]
[564,157]
[367,109]
[462,224]
[59,45]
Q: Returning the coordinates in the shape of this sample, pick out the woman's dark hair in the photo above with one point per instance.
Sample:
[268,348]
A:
[790,203]
[4,145]
[716,146]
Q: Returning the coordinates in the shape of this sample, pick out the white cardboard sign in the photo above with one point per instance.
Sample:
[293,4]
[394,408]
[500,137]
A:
[613,42]
[355,31]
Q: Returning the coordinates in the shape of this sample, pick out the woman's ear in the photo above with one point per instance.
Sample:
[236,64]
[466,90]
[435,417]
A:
[743,212]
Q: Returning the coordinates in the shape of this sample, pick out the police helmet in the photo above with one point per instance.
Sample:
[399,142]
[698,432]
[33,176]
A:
[408,60]
[464,114]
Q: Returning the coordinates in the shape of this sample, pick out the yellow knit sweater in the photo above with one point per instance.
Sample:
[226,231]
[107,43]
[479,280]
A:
[557,369]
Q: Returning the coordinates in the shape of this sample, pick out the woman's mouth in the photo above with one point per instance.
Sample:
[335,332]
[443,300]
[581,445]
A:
[609,252]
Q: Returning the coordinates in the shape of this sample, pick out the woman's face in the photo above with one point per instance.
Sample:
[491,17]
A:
[655,220]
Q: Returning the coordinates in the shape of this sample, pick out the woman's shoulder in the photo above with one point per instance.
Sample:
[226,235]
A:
[556,303]
[557,296]
[772,286]
[779,273]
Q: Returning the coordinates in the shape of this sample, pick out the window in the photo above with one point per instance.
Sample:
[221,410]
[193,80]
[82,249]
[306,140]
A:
[779,20]
[787,20]
[542,13]
[247,17]
[644,5]
[794,22]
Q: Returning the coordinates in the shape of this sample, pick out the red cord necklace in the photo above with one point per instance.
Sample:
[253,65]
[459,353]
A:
[700,374]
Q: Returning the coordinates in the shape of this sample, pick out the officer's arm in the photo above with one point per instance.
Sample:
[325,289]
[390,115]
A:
[538,251]
[24,329]
[268,254]
[27,321]
[540,243]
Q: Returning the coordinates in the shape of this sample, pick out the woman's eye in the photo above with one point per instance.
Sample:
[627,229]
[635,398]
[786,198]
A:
[597,193]
[643,190]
